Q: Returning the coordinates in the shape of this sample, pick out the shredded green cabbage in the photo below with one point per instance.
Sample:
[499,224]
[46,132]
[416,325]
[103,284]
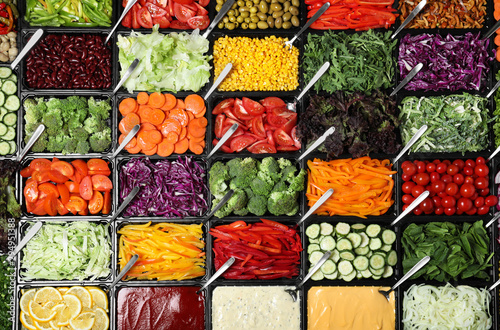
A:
[70,251]
[446,307]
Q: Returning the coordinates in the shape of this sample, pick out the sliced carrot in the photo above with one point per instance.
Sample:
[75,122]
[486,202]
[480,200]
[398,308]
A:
[196,139]
[143,141]
[201,114]
[203,122]
[154,136]
[147,127]
[170,102]
[165,148]
[183,133]
[156,100]
[195,147]
[195,129]
[150,152]
[181,146]
[181,116]
[190,115]
[496,14]
[498,54]
[131,144]
[142,98]
[171,125]
[180,104]
[143,112]
[127,106]
[156,117]
[172,137]
[128,122]
[202,143]
[194,103]
[497,40]
[134,150]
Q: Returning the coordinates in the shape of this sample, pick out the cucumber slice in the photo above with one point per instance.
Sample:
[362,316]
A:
[358,227]
[388,236]
[359,275]
[362,251]
[375,244]
[312,247]
[5,72]
[347,255]
[4,148]
[12,103]
[314,241]
[377,277]
[318,276]
[333,276]
[377,261]
[345,267]
[377,272]
[349,277]
[373,230]
[386,248]
[344,245]
[2,99]
[314,257]
[355,239]
[342,228]
[9,87]
[13,77]
[327,243]
[3,129]
[10,135]
[326,229]
[388,271]
[3,112]
[13,147]
[10,119]
[313,231]
[361,263]
[335,257]
[328,267]
[365,240]
[392,258]
[366,273]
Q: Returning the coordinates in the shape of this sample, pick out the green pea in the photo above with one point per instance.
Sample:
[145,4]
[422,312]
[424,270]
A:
[252,26]
[263,7]
[278,22]
[239,19]
[296,3]
[287,25]
[276,7]
[220,25]
[295,21]
[287,17]
[244,25]
[230,26]
[294,10]
[277,14]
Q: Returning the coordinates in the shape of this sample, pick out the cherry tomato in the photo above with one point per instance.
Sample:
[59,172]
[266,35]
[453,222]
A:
[470,163]
[448,201]
[491,200]
[459,212]
[422,179]
[451,188]
[417,191]
[458,178]
[468,170]
[447,178]
[431,167]
[483,209]
[464,204]
[447,162]
[467,190]
[409,169]
[427,205]
[478,202]
[439,210]
[442,194]
[407,199]
[417,210]
[452,169]
[405,177]
[481,183]
[469,179]
[421,167]
[481,170]
[476,195]
[480,161]
[484,192]
[407,186]
[450,210]
[436,161]
[460,163]
[436,200]
[438,186]
[472,211]
[435,176]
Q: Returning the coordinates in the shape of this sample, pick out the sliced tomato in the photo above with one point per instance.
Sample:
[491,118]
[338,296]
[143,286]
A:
[81,167]
[272,102]
[262,148]
[287,148]
[258,127]
[63,192]
[106,208]
[256,137]
[268,127]
[219,122]
[63,167]
[198,22]
[253,108]
[144,18]
[61,209]
[26,172]
[183,13]
[57,177]
[201,11]
[239,131]
[276,121]
[101,182]
[240,112]
[203,3]
[39,208]
[85,211]
[170,8]
[163,22]
[86,190]
[96,203]
[159,3]
[221,106]
[135,21]
[290,124]
[241,142]
[282,138]
[184,2]
[76,204]
[41,176]
[30,207]
[96,164]
[127,20]
[270,138]
[40,164]
[48,188]
[73,187]
[231,121]
[103,172]
[229,112]
[178,25]
[31,191]
[50,205]
[223,147]
[296,140]
[155,11]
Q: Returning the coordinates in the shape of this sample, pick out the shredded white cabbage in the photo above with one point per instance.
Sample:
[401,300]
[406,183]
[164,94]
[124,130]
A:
[446,307]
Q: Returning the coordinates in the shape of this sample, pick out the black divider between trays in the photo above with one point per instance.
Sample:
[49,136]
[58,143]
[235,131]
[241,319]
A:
[68,158]
[23,227]
[20,287]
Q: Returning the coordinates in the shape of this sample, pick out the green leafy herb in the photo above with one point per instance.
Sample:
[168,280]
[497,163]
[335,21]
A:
[456,123]
[6,294]
[455,250]
[10,211]
[359,62]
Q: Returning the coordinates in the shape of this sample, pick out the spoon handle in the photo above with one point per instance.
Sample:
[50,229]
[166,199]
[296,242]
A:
[410,17]
[32,42]
[224,9]
[492,30]
[313,19]
[224,138]
[32,232]
[221,270]
[125,270]
[416,69]
[495,218]
[127,74]
[127,139]
[493,154]
[219,79]
[494,87]
[313,270]
[129,5]
[412,141]
[494,285]
[410,207]
[315,78]
[316,205]
[412,271]
[126,201]
[36,135]
[318,142]
[220,204]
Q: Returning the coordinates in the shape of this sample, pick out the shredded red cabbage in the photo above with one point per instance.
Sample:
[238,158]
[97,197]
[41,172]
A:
[170,189]
[451,63]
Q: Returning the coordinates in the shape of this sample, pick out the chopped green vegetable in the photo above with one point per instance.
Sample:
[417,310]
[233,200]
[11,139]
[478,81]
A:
[6,293]
[10,211]
[455,250]
[70,251]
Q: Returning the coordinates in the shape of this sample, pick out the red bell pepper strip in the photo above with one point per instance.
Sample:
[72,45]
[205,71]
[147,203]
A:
[275,224]
[9,28]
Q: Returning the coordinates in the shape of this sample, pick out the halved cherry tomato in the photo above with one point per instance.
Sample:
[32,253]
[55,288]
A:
[50,205]
[273,102]
[219,108]
[219,122]
[178,25]
[252,107]
[76,204]
[96,164]
[26,172]
[61,209]
[41,176]
[258,126]
[48,188]
[241,142]
[86,190]
[198,22]
[40,164]
[96,203]
[282,138]
[201,11]
[144,18]
[262,148]
[57,177]
[183,13]
[81,166]
[106,208]
[155,11]
[101,182]
[63,167]
[73,187]
[31,191]
[163,22]
[63,192]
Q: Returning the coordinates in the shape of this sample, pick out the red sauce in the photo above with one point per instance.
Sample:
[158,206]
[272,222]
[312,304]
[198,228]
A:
[161,308]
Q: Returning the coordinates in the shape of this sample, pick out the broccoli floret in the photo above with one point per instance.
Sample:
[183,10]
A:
[238,200]
[261,187]
[280,186]
[80,134]
[93,124]
[242,181]
[257,205]
[241,212]
[99,109]
[218,174]
[249,192]
[80,114]
[70,146]
[270,166]
[282,162]
[40,144]
[297,183]
[234,167]
[284,202]
[33,113]
[83,147]
[100,141]
[75,123]
[29,129]
[77,102]
[223,211]
[56,143]
[54,104]
[53,122]
[288,173]
[247,166]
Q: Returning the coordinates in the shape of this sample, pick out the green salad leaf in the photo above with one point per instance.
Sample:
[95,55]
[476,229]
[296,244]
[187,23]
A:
[6,293]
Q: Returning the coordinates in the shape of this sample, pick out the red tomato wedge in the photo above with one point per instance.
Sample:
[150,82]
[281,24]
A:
[201,11]
[86,190]
[258,126]
[48,188]
[101,182]
[61,209]
[73,187]
[144,18]
[81,167]
[39,208]
[282,138]
[41,176]
[273,102]
[31,191]
[253,108]
[155,11]
[50,205]
[57,177]
[96,164]
[26,172]
[183,13]
[40,164]
[183,2]
[240,112]
[63,192]
[241,142]
[76,204]
[221,106]
[219,122]
[163,22]
[63,167]
[106,208]
[96,203]
[198,22]
[203,3]
[135,22]
[262,148]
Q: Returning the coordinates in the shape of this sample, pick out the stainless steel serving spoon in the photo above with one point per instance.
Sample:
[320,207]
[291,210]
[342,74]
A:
[406,276]
[410,17]
[219,205]
[317,143]
[410,143]
[125,270]
[292,106]
[127,139]
[224,9]
[36,135]
[316,205]
[125,203]
[221,270]
[126,75]
[32,42]
[416,69]
[324,258]
[29,235]
[412,205]
[313,19]
[223,139]
[219,79]
[129,5]
[495,218]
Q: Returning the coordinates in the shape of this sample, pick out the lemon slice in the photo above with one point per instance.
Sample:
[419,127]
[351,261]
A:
[84,321]
[101,320]
[49,304]
[63,289]
[40,313]
[25,300]
[53,324]
[47,294]
[42,325]
[69,309]
[27,321]
[99,298]
[83,294]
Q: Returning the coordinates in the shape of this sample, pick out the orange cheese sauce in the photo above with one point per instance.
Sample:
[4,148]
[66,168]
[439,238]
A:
[350,308]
